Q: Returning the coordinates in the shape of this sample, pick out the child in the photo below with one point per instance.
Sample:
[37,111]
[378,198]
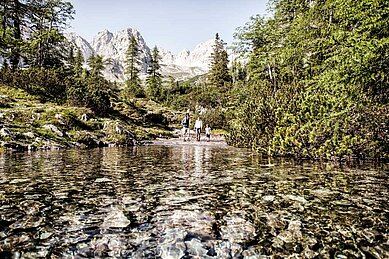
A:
[208,132]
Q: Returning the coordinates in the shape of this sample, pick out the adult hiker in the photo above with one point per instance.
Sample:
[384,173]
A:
[198,126]
[185,125]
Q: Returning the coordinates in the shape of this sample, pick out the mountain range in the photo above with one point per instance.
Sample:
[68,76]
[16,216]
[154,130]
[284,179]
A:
[113,46]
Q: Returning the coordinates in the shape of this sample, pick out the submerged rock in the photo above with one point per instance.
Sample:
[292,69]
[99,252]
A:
[268,198]
[103,180]
[172,243]
[116,219]
[290,238]
[237,230]
[290,197]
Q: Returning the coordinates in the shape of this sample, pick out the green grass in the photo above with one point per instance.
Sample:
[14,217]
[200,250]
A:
[141,117]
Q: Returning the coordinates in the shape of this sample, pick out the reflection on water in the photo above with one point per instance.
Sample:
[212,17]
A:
[187,202]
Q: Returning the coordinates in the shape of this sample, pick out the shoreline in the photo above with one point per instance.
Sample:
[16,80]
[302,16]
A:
[216,141]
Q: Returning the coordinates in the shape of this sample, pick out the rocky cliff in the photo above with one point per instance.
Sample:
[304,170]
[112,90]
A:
[113,45]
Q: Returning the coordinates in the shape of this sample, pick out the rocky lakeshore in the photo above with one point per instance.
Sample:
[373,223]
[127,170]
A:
[26,123]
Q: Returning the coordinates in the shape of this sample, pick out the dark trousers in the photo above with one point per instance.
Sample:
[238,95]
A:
[198,134]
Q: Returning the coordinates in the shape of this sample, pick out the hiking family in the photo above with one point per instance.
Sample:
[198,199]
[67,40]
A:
[197,128]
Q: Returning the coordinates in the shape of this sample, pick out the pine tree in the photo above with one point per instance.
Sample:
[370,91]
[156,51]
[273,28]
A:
[47,47]
[42,44]
[219,74]
[154,78]
[78,61]
[238,71]
[133,83]
[12,12]
[97,64]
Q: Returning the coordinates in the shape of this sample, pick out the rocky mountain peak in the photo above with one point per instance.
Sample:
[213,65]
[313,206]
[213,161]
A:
[113,46]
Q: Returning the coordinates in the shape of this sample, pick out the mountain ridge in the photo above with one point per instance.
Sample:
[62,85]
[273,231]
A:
[113,46]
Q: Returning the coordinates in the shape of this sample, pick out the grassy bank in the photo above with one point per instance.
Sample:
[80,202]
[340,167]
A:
[28,123]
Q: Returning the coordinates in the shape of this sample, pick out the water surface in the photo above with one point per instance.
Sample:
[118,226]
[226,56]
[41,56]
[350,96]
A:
[188,202]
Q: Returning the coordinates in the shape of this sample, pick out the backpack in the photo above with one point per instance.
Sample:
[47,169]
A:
[185,121]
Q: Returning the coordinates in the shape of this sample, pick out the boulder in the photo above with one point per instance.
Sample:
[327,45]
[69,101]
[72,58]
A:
[53,129]
[29,134]
[4,132]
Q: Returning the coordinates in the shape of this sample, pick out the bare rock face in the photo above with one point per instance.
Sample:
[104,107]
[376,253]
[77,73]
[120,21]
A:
[82,44]
[113,46]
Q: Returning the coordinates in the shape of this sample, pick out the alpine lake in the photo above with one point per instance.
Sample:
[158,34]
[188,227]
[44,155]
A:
[189,201]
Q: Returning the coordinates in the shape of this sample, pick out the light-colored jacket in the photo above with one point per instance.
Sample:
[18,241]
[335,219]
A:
[198,124]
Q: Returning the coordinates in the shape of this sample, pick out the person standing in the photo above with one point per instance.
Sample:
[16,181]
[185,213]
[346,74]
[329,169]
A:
[198,126]
[185,125]
[208,132]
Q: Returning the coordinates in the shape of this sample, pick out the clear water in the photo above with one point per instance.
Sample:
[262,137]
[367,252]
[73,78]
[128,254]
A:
[188,202]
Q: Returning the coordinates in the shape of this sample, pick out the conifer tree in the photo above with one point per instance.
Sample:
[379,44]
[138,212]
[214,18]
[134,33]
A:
[154,78]
[219,74]
[46,44]
[133,82]
[238,71]
[31,31]
[78,61]
[97,65]
[12,13]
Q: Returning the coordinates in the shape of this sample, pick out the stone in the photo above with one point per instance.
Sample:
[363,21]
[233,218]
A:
[53,129]
[289,237]
[196,247]
[291,197]
[116,219]
[84,117]
[103,180]
[4,132]
[172,243]
[237,230]
[268,198]
[59,118]
[45,235]
[19,180]
[29,134]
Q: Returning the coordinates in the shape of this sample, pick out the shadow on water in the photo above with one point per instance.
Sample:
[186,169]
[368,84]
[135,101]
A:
[188,202]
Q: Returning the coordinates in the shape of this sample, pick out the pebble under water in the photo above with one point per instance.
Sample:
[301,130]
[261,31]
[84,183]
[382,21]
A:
[188,202]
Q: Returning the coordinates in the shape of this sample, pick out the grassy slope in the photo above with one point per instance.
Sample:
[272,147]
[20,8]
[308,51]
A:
[27,123]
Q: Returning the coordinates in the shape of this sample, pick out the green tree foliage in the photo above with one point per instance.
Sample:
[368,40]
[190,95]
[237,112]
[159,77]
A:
[219,74]
[31,35]
[317,80]
[76,63]
[46,46]
[32,31]
[12,16]
[97,65]
[133,82]
[238,72]
[154,77]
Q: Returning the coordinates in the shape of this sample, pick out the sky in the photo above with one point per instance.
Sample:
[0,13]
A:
[174,25]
